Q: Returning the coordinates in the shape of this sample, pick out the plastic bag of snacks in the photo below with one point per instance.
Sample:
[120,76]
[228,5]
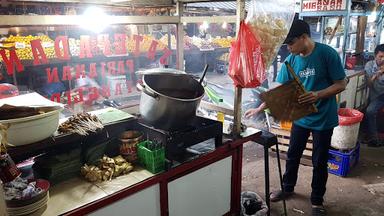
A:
[246,67]
[270,21]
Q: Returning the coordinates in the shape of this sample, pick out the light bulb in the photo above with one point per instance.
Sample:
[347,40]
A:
[318,26]
[224,26]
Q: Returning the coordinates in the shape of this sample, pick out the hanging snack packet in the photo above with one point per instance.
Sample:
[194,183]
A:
[270,20]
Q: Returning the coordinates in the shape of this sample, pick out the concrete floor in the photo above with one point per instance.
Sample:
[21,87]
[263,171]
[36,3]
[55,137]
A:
[345,196]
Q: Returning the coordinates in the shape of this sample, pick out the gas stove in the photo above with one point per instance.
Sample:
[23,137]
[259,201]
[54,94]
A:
[177,141]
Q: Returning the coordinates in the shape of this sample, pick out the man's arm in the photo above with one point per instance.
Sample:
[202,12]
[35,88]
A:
[313,96]
[370,72]
[371,79]
[251,112]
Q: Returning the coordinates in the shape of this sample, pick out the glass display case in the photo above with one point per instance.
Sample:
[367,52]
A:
[81,68]
[87,63]
[84,56]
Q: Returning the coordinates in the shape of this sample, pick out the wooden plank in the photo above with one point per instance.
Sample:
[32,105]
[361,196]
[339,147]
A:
[282,141]
[304,160]
[285,149]
[287,133]
[283,138]
[280,131]
[285,142]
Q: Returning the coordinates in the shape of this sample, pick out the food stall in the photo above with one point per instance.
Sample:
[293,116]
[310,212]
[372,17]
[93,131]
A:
[84,64]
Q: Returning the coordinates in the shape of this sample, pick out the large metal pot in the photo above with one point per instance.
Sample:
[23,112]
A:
[169,100]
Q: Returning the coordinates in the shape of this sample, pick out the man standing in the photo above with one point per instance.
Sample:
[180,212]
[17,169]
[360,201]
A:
[374,71]
[320,70]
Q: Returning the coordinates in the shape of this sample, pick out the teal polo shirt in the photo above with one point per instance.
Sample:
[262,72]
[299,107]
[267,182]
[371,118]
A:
[316,71]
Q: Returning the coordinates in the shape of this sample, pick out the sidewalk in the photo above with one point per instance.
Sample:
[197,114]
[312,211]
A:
[361,193]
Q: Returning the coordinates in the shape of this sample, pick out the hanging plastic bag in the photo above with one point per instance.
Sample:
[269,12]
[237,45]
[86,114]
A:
[246,67]
[270,20]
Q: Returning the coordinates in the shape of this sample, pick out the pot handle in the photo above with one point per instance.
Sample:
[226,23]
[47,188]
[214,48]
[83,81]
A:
[142,88]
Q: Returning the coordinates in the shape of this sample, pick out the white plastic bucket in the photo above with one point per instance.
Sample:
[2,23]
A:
[345,135]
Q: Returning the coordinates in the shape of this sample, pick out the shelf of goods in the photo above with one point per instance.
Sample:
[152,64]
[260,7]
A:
[22,45]
[335,23]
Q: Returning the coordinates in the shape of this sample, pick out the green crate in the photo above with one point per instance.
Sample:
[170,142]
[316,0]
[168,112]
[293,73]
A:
[152,160]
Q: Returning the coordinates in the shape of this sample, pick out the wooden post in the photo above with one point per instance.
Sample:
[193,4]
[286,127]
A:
[360,34]
[240,15]
[180,37]
[3,208]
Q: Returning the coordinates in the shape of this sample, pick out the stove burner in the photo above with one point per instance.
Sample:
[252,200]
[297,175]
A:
[177,140]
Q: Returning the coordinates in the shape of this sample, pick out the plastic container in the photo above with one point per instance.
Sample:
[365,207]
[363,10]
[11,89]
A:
[8,90]
[33,128]
[8,169]
[128,147]
[152,160]
[286,125]
[340,163]
[345,135]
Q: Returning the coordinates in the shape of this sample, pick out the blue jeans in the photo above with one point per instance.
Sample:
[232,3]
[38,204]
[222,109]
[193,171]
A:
[297,143]
[370,118]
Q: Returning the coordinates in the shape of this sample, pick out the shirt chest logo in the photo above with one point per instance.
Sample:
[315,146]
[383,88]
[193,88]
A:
[307,73]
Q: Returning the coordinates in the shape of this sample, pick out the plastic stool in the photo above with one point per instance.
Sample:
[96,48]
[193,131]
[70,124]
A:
[267,140]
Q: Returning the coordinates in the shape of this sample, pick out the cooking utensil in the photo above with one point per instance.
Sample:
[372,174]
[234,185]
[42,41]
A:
[282,100]
[33,128]
[204,72]
[302,89]
[169,100]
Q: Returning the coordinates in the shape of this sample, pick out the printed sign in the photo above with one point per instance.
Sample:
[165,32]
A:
[42,53]
[323,5]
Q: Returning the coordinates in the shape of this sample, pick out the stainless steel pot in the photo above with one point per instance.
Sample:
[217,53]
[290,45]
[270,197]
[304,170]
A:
[169,100]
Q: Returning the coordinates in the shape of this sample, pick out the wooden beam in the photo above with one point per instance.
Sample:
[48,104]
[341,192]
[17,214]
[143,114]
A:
[37,20]
[180,38]
[240,13]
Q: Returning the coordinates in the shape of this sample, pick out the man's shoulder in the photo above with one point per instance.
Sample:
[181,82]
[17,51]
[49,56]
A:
[325,47]
[370,63]
[369,66]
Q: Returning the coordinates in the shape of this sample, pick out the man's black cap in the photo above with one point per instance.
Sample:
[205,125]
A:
[298,28]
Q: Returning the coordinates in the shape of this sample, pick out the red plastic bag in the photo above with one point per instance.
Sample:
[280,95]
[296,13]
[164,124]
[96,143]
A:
[349,116]
[246,66]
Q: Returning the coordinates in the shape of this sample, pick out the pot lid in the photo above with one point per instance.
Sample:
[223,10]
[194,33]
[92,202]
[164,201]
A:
[160,70]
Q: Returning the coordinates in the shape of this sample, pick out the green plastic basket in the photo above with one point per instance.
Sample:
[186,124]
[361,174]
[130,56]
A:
[152,160]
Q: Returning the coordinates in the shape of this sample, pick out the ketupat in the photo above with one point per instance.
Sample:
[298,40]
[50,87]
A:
[107,169]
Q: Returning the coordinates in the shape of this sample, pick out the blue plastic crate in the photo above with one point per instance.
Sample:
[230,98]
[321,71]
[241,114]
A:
[339,163]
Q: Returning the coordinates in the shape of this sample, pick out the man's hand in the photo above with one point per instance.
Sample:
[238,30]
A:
[379,73]
[308,98]
[251,112]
